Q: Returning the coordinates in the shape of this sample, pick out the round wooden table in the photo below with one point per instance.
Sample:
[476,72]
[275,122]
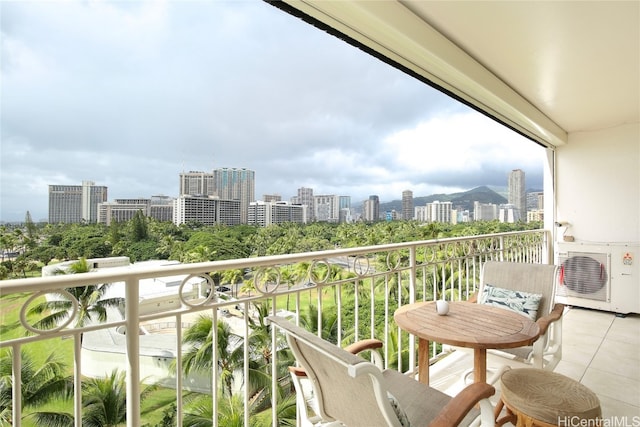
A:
[467,324]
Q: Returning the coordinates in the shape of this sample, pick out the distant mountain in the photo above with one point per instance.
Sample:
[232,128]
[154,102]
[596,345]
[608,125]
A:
[462,201]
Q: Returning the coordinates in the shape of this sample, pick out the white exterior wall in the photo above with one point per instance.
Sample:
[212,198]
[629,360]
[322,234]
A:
[601,207]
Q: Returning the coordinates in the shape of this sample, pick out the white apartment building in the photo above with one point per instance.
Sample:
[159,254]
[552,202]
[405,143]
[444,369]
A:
[75,203]
[440,212]
[197,183]
[266,213]
[206,211]
[121,210]
[224,183]
[327,208]
[535,215]
[371,208]
[305,197]
[485,211]
[508,213]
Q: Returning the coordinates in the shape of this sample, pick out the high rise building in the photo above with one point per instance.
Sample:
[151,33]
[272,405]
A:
[121,210]
[305,197]
[327,208]
[345,202]
[485,211]
[371,209]
[535,215]
[236,184]
[345,216]
[407,204]
[267,213]
[517,194]
[75,203]
[535,200]
[224,183]
[271,198]
[440,212]
[161,208]
[206,211]
[508,213]
[196,183]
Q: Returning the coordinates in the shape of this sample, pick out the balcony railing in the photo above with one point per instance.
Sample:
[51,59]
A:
[347,294]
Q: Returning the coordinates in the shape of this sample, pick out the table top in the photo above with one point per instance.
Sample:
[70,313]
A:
[468,324]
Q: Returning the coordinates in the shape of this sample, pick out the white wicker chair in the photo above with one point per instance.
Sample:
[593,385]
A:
[354,392]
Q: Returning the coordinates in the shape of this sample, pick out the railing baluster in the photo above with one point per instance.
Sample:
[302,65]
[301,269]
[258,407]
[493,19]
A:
[132,309]
[179,371]
[77,379]
[17,385]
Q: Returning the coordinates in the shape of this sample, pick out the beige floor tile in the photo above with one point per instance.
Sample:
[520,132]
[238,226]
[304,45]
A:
[585,317]
[579,354]
[589,329]
[624,362]
[572,370]
[618,413]
[613,386]
[626,330]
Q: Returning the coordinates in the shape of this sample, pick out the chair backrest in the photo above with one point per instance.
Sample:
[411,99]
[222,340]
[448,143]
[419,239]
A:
[348,388]
[524,277]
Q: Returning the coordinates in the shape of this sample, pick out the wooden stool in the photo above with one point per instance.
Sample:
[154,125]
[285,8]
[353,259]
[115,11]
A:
[534,397]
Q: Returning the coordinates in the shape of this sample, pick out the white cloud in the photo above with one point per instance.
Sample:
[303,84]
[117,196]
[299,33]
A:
[128,94]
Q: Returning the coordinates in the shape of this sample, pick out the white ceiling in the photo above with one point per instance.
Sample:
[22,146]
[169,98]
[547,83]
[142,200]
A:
[546,68]
[578,62]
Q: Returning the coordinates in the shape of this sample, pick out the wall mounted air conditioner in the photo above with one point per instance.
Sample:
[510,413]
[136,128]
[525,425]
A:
[599,276]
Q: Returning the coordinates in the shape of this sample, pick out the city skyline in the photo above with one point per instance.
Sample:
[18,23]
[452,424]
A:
[358,205]
[153,89]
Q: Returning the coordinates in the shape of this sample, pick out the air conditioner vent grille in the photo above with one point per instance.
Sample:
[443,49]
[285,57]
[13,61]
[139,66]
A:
[584,275]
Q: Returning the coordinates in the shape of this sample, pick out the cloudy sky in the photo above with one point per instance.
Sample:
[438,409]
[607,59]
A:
[129,94]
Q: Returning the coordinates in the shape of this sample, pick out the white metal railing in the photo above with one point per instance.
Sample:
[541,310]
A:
[353,292]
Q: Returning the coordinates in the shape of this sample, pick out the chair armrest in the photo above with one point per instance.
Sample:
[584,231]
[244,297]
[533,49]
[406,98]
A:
[298,371]
[458,407]
[473,298]
[363,345]
[545,321]
[355,348]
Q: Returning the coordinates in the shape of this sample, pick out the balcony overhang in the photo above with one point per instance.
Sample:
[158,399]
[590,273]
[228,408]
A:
[391,31]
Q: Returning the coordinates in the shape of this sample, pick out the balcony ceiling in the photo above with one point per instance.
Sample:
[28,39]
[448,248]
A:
[544,68]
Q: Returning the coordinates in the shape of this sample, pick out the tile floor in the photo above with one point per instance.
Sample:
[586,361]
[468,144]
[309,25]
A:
[600,350]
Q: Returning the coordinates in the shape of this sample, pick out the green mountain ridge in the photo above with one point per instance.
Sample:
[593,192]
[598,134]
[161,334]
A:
[463,200]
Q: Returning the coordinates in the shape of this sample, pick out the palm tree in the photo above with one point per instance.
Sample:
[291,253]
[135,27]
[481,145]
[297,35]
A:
[200,253]
[199,357]
[309,320]
[91,302]
[104,402]
[234,277]
[199,413]
[41,382]
[286,413]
